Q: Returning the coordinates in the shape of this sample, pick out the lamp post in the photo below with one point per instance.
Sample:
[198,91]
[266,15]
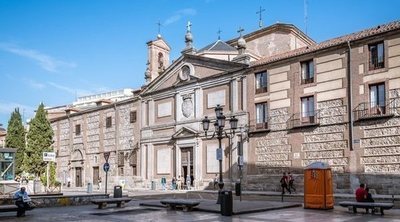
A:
[219,132]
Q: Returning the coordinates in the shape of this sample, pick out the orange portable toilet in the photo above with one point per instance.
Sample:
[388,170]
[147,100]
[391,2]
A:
[318,186]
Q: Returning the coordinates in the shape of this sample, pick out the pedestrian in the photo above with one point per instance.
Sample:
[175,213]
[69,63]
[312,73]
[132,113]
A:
[188,182]
[179,182]
[22,201]
[99,183]
[173,183]
[163,183]
[215,181]
[284,183]
[291,182]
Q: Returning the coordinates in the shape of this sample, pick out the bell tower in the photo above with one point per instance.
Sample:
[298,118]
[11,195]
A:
[158,58]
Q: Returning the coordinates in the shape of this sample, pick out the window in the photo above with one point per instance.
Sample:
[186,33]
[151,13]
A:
[261,82]
[121,171]
[376,56]
[108,122]
[377,99]
[307,72]
[307,109]
[77,129]
[132,117]
[121,159]
[133,161]
[261,116]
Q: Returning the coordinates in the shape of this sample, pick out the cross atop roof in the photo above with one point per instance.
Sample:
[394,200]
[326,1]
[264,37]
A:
[240,31]
[260,23]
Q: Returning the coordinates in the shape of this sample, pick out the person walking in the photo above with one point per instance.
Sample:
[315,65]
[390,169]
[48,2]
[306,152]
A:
[173,183]
[284,183]
[22,201]
[179,182]
[291,182]
[99,183]
[188,182]
[215,181]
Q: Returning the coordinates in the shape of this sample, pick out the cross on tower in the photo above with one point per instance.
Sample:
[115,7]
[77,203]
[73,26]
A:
[219,33]
[188,26]
[159,27]
[240,31]
[260,12]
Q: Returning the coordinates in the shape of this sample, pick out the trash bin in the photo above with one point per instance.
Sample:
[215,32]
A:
[36,186]
[153,185]
[226,203]
[89,188]
[117,191]
[238,191]
[318,186]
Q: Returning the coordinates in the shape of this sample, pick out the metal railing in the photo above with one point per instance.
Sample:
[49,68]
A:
[364,110]
[303,119]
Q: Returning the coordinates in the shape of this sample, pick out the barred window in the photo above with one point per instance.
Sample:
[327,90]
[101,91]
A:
[133,162]
[108,122]
[121,159]
[132,117]
[77,129]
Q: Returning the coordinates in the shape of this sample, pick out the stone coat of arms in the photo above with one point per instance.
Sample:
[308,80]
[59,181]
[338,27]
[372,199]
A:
[187,106]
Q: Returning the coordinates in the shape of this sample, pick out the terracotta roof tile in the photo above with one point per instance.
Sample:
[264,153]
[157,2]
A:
[329,43]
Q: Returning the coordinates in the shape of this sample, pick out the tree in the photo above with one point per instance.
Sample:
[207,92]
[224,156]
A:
[40,139]
[16,139]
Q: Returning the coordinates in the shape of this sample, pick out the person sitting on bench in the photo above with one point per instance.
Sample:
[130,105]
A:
[22,201]
[369,196]
[361,194]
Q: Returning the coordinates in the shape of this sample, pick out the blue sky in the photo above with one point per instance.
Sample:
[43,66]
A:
[53,51]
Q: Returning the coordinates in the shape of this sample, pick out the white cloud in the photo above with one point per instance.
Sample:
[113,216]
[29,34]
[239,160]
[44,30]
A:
[45,61]
[33,84]
[179,14]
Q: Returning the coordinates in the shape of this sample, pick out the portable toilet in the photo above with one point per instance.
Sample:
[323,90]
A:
[318,186]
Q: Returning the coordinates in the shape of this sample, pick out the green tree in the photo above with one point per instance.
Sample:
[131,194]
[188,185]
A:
[40,139]
[16,139]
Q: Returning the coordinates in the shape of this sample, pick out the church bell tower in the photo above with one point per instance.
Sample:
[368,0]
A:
[158,58]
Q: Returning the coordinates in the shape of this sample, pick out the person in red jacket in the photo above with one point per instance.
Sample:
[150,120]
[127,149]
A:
[361,193]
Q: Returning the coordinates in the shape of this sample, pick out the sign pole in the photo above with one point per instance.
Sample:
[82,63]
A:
[106,167]
[47,176]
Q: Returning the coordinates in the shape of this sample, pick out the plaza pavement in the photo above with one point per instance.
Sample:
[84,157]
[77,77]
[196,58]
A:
[134,212]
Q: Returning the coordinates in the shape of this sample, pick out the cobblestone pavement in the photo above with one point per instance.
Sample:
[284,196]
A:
[133,212]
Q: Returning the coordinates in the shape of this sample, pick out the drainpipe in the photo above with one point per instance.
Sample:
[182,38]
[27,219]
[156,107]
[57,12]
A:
[350,94]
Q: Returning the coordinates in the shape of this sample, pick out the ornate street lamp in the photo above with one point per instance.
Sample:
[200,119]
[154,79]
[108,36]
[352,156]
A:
[220,134]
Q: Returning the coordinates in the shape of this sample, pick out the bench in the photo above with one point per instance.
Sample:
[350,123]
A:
[186,205]
[120,201]
[367,206]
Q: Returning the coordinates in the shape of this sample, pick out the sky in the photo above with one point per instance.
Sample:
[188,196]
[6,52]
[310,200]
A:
[55,51]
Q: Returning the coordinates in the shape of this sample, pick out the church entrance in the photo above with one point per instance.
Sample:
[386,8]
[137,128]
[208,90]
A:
[78,177]
[187,165]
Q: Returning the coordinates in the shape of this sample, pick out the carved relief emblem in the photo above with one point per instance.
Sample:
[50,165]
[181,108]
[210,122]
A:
[187,106]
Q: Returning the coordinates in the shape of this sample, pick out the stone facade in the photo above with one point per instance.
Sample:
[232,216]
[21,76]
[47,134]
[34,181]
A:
[287,120]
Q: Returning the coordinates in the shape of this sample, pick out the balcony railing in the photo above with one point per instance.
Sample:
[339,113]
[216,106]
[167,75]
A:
[303,119]
[366,111]
[307,81]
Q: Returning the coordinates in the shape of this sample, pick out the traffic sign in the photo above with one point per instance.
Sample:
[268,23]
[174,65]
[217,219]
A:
[106,156]
[240,160]
[219,154]
[106,167]
[49,156]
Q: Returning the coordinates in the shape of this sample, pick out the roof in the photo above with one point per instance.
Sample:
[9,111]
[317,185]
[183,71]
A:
[218,46]
[330,43]
[273,28]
